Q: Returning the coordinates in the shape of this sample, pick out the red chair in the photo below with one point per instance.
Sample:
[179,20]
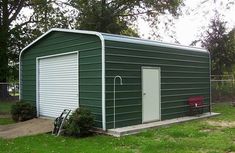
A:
[196,105]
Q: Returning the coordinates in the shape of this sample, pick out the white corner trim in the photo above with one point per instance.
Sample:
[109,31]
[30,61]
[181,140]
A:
[37,87]
[103,83]
[19,79]
[103,63]
[210,102]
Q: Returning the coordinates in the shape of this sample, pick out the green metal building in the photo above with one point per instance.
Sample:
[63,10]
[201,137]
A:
[75,68]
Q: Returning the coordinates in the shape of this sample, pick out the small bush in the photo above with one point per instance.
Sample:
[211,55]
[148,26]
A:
[79,123]
[22,111]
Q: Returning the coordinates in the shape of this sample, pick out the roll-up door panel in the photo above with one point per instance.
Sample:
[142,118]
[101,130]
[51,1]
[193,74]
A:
[57,84]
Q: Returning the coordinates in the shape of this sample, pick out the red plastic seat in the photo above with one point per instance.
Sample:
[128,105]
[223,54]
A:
[196,105]
[195,101]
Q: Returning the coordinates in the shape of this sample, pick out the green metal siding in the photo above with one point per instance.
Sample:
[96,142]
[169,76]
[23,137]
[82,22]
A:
[183,74]
[89,48]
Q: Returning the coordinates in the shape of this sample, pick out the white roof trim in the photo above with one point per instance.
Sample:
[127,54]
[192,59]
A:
[62,30]
[136,40]
[127,39]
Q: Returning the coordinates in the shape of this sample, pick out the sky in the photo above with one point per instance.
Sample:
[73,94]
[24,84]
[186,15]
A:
[194,20]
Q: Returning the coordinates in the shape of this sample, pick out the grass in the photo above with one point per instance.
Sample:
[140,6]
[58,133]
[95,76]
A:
[191,137]
[4,121]
[5,108]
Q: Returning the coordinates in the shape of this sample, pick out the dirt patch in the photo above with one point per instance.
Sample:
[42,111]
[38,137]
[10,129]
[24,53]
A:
[10,98]
[30,127]
[206,130]
[222,124]
[5,116]
[4,113]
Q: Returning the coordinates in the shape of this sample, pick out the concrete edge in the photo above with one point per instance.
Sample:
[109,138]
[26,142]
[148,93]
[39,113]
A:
[122,132]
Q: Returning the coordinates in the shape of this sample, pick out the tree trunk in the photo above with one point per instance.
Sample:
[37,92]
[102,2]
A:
[4,37]
[3,70]
[4,92]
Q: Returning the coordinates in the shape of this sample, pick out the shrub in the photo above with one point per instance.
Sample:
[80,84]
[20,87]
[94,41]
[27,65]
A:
[22,111]
[79,123]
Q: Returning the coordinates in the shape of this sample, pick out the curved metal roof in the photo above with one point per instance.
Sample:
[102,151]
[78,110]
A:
[121,38]
[136,40]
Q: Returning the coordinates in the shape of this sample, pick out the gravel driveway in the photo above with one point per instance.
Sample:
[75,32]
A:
[30,127]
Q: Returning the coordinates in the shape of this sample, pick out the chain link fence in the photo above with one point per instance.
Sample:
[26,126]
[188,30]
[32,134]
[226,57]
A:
[222,88]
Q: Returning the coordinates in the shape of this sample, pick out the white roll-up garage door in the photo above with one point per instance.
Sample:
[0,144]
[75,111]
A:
[57,84]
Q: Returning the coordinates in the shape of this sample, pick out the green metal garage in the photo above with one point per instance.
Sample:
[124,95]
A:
[75,68]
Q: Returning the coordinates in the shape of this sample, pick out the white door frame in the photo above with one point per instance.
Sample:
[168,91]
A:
[37,75]
[142,81]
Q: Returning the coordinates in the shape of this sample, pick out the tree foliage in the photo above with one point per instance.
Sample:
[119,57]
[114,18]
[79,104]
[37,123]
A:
[119,16]
[18,29]
[221,45]
[9,11]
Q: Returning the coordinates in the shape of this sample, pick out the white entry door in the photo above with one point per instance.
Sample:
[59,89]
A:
[151,94]
[57,79]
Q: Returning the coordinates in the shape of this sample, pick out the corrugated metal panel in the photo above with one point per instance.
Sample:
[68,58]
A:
[141,41]
[57,84]
[184,73]
[89,48]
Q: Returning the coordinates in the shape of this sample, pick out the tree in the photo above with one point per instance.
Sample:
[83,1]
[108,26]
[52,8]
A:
[17,30]
[119,16]
[48,14]
[112,16]
[221,45]
[9,10]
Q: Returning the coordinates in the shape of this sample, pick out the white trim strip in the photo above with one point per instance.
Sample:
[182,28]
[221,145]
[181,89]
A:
[78,76]
[121,38]
[103,83]
[210,105]
[37,86]
[60,54]
[20,78]
[136,40]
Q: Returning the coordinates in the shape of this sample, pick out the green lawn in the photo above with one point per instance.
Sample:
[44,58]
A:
[5,107]
[4,121]
[214,135]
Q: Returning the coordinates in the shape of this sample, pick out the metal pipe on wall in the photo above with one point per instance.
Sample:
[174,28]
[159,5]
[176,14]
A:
[114,98]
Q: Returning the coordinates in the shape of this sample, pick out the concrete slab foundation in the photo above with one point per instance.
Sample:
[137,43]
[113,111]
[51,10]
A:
[141,127]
